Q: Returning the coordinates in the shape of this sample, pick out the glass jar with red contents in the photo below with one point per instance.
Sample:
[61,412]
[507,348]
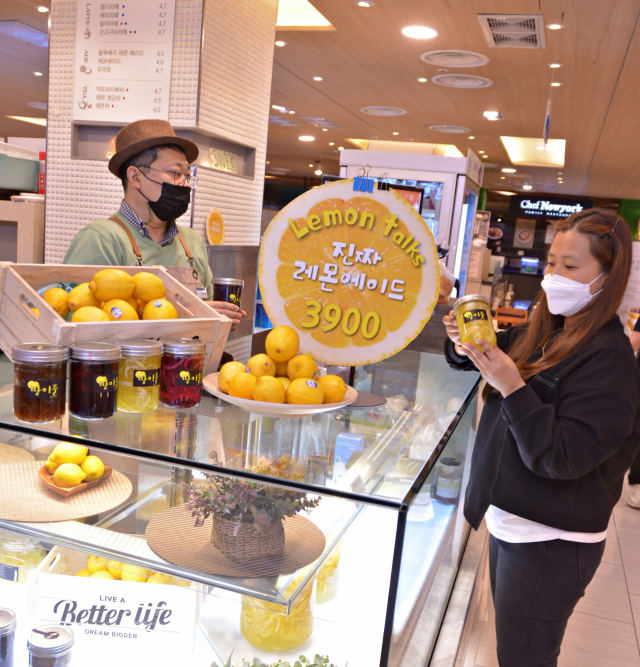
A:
[181,372]
[93,380]
[39,381]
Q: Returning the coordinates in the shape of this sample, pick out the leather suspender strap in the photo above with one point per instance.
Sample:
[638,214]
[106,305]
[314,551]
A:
[134,245]
[138,254]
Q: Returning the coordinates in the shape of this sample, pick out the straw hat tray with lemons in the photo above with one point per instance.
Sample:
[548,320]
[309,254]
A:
[280,383]
[70,469]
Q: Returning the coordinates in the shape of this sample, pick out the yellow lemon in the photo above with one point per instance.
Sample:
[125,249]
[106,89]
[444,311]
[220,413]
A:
[81,297]
[89,314]
[268,389]
[58,299]
[285,381]
[111,284]
[93,468]
[159,309]
[230,369]
[305,392]
[36,311]
[133,573]
[102,574]
[159,578]
[68,475]
[281,369]
[83,573]
[65,452]
[96,564]
[120,310]
[302,366]
[133,303]
[184,584]
[148,287]
[261,364]
[282,343]
[115,568]
[50,465]
[241,385]
[333,387]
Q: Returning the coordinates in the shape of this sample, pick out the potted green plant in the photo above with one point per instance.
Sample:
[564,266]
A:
[247,516]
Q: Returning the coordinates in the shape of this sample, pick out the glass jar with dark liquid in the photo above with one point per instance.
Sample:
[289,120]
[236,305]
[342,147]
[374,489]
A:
[93,380]
[39,381]
[228,289]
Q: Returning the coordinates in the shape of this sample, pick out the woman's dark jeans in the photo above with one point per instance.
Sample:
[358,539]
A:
[535,588]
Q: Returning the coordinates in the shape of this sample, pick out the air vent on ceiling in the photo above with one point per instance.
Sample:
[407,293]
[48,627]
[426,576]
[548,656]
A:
[516,31]
[461,81]
[383,111]
[451,129]
[454,58]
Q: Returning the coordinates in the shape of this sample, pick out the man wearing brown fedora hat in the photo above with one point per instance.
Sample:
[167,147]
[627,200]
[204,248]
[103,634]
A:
[153,165]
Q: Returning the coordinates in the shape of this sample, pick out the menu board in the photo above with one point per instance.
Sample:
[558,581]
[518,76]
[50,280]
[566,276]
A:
[123,60]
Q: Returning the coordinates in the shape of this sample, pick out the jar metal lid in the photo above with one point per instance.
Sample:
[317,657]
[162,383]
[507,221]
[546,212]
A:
[141,347]
[40,353]
[184,346]
[471,297]
[7,621]
[450,462]
[39,645]
[95,351]
[228,281]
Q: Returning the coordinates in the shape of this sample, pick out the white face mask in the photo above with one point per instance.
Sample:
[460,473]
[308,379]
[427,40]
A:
[565,296]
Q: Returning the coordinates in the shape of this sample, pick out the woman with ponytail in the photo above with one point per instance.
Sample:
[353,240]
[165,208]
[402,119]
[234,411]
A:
[558,432]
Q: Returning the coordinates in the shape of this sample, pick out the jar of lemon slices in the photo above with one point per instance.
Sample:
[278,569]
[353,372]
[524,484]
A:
[139,375]
[473,314]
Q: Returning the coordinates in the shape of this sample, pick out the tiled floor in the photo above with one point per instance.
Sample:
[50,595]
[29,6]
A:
[604,630]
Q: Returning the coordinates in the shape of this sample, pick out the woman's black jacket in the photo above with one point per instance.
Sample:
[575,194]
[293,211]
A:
[556,451]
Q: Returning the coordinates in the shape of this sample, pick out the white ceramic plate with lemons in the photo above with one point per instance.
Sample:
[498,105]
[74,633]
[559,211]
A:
[210,383]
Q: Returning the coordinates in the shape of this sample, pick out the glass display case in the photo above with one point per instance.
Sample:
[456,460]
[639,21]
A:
[366,584]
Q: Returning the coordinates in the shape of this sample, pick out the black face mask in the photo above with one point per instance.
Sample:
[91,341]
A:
[173,201]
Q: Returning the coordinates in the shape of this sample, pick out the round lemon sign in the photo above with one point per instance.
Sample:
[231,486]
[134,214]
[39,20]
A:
[215,227]
[356,273]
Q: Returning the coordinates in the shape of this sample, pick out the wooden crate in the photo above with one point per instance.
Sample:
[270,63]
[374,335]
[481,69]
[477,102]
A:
[19,324]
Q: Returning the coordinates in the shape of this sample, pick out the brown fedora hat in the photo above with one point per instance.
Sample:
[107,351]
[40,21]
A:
[143,134]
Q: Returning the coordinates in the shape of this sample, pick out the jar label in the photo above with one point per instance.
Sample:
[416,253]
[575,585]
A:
[312,384]
[9,572]
[43,388]
[105,383]
[116,312]
[475,314]
[448,488]
[146,378]
[189,378]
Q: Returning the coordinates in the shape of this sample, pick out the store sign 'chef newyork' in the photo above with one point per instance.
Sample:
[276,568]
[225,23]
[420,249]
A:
[355,273]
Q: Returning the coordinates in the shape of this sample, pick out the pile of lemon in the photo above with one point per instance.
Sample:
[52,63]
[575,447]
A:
[281,375]
[113,295]
[70,465]
[103,568]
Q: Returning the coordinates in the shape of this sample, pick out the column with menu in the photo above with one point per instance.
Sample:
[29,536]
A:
[123,60]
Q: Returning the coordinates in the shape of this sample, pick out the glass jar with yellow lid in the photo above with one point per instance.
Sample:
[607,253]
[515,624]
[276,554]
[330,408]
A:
[139,375]
[473,314]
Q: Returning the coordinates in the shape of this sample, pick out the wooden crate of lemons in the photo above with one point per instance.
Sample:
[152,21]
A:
[281,375]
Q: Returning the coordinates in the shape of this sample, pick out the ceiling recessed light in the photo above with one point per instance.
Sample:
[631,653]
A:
[37,73]
[422,80]
[502,178]
[280,43]
[306,137]
[318,172]
[471,137]
[311,165]
[527,187]
[28,119]
[291,111]
[555,26]
[268,162]
[508,170]
[277,107]
[340,148]
[364,3]
[419,32]
[481,152]
[491,115]
[317,78]
[485,156]
[555,65]
[331,143]
[42,10]
[560,173]
[555,84]
[395,134]
[324,129]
